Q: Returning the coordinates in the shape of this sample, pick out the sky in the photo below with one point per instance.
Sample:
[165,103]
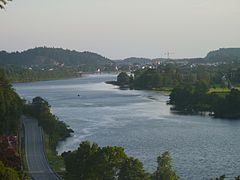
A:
[122,28]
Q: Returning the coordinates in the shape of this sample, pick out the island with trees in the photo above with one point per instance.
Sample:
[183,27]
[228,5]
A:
[192,89]
[197,98]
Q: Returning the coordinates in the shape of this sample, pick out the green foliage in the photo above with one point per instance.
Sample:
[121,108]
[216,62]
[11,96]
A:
[195,98]
[10,107]
[55,161]
[192,98]
[90,161]
[57,130]
[228,107]
[37,73]
[147,79]
[52,56]
[123,79]
[172,75]
[163,76]
[224,55]
[7,173]
[164,169]
[132,169]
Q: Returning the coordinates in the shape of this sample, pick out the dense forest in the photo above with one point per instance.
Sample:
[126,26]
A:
[171,75]
[133,60]
[10,107]
[10,111]
[52,56]
[23,74]
[191,99]
[51,63]
[224,55]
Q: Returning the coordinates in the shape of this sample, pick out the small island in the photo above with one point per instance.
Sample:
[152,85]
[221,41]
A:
[187,96]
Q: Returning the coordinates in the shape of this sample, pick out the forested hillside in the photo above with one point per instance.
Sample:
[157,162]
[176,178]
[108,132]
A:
[134,60]
[16,73]
[10,112]
[43,56]
[52,56]
[224,55]
[10,107]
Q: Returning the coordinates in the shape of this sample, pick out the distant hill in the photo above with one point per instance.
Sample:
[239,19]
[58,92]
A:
[224,55]
[134,60]
[44,56]
[53,56]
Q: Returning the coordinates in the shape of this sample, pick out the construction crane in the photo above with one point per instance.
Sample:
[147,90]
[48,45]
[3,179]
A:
[168,54]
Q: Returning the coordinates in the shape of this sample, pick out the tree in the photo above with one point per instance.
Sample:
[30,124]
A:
[3,3]
[164,169]
[80,164]
[201,87]
[147,79]
[7,173]
[123,78]
[56,129]
[90,161]
[229,107]
[10,106]
[132,169]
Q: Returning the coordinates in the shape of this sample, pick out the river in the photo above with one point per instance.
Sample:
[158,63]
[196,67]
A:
[142,123]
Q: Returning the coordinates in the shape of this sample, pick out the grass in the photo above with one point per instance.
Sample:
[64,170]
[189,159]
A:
[222,92]
[21,148]
[219,90]
[56,162]
[24,160]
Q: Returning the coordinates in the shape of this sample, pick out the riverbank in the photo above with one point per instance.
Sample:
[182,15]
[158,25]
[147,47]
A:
[131,119]
[163,90]
[43,79]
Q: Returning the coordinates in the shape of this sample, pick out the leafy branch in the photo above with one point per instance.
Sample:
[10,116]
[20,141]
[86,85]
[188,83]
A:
[3,3]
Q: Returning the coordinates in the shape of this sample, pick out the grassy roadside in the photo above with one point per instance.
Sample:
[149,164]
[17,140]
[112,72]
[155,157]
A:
[23,174]
[56,162]
[21,146]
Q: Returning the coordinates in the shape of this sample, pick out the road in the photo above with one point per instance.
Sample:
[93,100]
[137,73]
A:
[38,166]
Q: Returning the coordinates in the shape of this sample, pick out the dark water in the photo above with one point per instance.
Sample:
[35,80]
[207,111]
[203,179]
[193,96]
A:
[142,123]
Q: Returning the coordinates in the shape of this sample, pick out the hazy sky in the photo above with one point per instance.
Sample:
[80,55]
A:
[122,28]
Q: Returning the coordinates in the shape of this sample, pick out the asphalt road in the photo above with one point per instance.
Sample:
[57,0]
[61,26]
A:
[38,166]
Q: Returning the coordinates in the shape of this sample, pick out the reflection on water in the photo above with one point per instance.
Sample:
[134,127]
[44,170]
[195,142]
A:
[142,123]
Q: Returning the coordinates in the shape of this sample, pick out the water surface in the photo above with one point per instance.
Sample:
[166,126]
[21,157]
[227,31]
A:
[141,122]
